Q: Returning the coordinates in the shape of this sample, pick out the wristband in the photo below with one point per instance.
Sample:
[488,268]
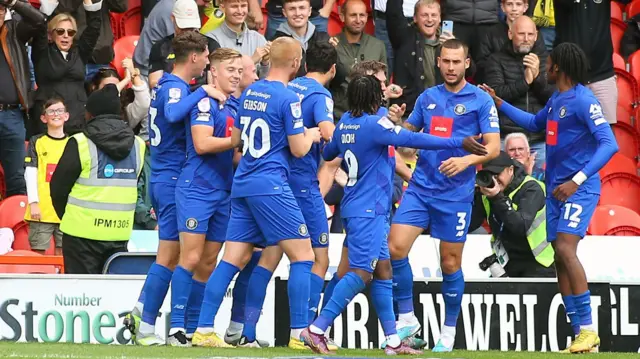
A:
[579,178]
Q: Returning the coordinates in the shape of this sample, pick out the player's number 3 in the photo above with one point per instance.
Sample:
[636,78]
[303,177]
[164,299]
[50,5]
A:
[157,137]
[249,138]
[352,166]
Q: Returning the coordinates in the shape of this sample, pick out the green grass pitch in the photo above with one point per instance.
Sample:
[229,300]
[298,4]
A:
[87,351]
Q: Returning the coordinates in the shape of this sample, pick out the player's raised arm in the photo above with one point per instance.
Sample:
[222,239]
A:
[530,122]
[415,122]
[300,138]
[202,127]
[177,108]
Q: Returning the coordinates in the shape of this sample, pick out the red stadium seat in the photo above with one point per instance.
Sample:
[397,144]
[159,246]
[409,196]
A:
[627,90]
[621,189]
[634,65]
[623,115]
[23,261]
[617,30]
[616,11]
[134,3]
[370,27]
[3,186]
[633,9]
[619,164]
[115,20]
[628,140]
[611,220]
[123,48]
[21,237]
[618,62]
[12,211]
[335,25]
[131,22]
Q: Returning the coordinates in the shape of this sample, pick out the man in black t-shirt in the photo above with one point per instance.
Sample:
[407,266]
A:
[185,17]
[320,11]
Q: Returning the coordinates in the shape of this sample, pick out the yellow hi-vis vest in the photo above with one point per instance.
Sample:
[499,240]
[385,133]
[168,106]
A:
[537,233]
[543,14]
[102,202]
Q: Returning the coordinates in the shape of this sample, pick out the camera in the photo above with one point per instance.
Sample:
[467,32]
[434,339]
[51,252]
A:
[485,179]
[491,263]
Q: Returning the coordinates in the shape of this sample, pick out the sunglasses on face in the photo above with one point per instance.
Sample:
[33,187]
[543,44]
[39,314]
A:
[55,111]
[70,32]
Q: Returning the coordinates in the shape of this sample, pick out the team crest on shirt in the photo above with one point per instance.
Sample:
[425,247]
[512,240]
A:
[563,112]
[459,109]
[296,109]
[192,223]
[324,238]
[374,263]
[302,230]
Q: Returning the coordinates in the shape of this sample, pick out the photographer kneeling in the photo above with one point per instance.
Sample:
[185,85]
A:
[514,205]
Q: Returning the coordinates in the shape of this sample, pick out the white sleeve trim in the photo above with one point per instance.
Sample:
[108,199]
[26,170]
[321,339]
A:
[31,178]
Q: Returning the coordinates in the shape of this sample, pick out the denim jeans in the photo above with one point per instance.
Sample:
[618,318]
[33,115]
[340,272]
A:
[549,36]
[540,148]
[274,21]
[381,34]
[12,152]
[91,70]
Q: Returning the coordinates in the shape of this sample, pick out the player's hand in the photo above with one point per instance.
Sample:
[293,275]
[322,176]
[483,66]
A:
[396,112]
[341,177]
[35,211]
[493,191]
[334,41]
[314,133]
[453,166]
[565,190]
[214,93]
[446,36]
[471,145]
[492,93]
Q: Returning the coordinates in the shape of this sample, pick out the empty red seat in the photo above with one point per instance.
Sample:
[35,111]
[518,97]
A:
[131,22]
[617,30]
[12,211]
[616,11]
[611,220]
[123,48]
[623,115]
[25,266]
[621,189]
[370,27]
[628,140]
[633,9]
[618,62]
[21,237]
[334,26]
[619,164]
[627,90]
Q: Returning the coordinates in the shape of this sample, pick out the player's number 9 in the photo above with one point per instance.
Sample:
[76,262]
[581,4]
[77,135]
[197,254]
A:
[157,137]
[352,166]
[249,139]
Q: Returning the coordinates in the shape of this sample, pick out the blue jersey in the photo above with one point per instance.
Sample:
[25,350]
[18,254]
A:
[171,102]
[317,107]
[233,103]
[444,114]
[211,170]
[268,113]
[363,143]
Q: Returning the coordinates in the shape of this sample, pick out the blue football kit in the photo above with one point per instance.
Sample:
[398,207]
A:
[204,186]
[317,107]
[579,139]
[171,102]
[433,199]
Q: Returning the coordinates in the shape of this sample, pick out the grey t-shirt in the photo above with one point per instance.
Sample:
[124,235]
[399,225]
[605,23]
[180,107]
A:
[157,26]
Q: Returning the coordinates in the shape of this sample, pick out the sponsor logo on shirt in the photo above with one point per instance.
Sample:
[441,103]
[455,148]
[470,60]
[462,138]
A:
[258,94]
[552,132]
[441,126]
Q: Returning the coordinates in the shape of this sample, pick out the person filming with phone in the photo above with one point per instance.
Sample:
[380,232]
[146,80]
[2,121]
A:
[513,203]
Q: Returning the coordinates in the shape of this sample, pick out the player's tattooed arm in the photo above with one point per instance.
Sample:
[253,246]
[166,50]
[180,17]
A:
[410,127]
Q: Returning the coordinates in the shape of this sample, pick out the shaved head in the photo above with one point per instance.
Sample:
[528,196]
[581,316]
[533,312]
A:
[523,22]
[249,73]
[523,34]
[284,51]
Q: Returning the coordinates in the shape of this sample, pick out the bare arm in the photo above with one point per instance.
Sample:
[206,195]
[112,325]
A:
[205,142]
[326,174]
[301,143]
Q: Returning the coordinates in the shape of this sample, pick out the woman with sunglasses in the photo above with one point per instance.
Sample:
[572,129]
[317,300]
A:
[60,64]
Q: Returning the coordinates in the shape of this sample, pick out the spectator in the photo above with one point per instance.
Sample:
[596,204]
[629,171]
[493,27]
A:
[631,39]
[498,35]
[103,51]
[380,22]
[184,17]
[60,65]
[471,21]
[157,26]
[514,206]
[517,74]
[145,216]
[588,24]
[300,28]
[42,158]
[135,101]
[354,45]
[517,147]
[97,207]
[235,34]
[275,15]
[544,18]
[14,97]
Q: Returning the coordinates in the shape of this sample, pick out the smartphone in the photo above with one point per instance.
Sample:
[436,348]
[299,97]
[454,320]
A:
[447,26]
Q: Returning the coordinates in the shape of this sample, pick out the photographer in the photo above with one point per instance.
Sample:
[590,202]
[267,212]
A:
[514,205]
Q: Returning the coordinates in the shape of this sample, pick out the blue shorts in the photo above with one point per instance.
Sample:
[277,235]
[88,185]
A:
[266,220]
[312,207]
[203,211]
[571,217]
[449,220]
[367,241]
[163,200]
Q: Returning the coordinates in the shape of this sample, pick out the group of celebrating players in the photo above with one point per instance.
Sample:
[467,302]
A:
[277,129]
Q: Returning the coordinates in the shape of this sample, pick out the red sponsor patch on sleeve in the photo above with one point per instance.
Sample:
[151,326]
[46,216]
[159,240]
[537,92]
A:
[441,126]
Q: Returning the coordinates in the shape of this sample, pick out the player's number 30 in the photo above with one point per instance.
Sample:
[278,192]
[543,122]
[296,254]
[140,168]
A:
[250,138]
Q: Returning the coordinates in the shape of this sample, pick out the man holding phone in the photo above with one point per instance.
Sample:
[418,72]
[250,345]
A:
[517,72]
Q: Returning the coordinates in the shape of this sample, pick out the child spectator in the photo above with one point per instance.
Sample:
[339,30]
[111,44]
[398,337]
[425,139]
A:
[42,158]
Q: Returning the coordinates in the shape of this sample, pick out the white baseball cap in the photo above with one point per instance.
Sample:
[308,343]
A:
[186,14]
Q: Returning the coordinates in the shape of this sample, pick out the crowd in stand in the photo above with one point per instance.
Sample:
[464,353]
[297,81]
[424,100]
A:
[68,45]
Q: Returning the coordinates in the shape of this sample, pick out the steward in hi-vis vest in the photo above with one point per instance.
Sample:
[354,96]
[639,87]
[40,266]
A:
[94,187]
